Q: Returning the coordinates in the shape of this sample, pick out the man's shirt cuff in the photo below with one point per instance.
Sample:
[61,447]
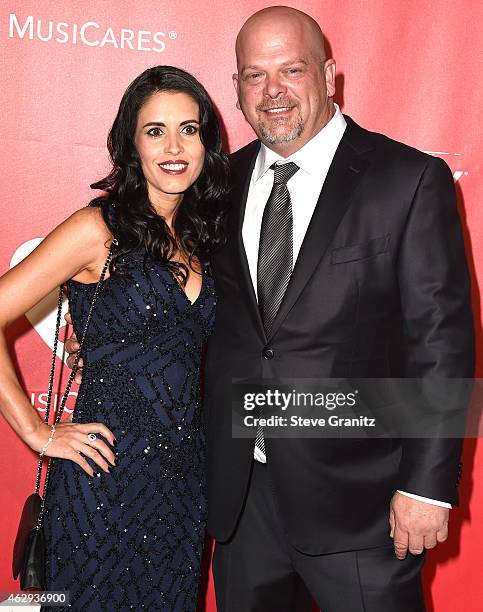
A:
[427,500]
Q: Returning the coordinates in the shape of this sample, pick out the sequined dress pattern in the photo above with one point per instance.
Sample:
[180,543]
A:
[132,539]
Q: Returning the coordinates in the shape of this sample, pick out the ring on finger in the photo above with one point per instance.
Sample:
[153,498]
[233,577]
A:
[91,437]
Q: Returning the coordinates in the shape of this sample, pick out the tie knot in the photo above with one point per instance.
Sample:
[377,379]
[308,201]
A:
[283,172]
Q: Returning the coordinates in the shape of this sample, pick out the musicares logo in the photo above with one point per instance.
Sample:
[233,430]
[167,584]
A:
[89,33]
[38,399]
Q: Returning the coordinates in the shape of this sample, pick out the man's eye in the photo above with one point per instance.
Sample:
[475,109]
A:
[253,76]
[190,130]
[155,131]
[294,70]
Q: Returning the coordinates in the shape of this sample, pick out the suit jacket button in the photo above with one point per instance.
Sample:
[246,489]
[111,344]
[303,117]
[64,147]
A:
[268,353]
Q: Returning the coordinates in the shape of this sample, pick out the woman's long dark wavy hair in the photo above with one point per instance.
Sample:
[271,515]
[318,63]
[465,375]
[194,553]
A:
[126,209]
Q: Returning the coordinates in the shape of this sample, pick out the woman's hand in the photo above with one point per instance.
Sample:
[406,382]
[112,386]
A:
[70,440]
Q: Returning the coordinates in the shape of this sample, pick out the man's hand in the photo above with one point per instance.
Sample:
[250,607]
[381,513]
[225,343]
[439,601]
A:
[71,347]
[416,525]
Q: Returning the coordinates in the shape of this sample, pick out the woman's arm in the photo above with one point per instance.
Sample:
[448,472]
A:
[76,248]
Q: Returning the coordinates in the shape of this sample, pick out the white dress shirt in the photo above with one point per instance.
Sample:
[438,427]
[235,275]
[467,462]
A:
[314,160]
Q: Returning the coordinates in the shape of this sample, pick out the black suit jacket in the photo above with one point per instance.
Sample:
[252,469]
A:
[380,288]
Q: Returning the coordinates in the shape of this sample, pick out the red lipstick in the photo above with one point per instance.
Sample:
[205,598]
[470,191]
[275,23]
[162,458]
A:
[173,167]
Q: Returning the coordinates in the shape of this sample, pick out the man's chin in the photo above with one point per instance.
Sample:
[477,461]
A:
[277,137]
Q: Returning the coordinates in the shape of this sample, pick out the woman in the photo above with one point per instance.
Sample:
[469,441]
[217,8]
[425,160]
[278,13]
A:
[124,524]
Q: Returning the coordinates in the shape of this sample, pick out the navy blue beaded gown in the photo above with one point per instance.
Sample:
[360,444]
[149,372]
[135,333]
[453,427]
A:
[132,539]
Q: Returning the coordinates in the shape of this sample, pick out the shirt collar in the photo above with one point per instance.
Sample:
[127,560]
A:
[308,158]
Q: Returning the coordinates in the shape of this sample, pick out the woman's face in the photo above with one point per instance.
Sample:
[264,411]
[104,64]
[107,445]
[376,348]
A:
[169,146]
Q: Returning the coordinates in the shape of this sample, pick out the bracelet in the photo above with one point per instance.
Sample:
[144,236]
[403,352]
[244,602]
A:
[52,432]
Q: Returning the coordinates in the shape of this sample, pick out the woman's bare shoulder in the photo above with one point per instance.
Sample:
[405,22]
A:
[88,226]
[75,248]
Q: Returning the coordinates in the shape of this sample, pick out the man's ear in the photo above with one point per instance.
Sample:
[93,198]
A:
[329,71]
[236,85]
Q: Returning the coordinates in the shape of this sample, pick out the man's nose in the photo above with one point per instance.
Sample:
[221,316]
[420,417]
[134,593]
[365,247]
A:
[274,86]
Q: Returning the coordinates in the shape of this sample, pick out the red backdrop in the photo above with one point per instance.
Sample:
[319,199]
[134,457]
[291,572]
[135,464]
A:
[409,69]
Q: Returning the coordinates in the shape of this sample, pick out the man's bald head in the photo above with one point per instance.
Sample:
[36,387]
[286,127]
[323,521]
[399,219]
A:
[281,18]
[284,82]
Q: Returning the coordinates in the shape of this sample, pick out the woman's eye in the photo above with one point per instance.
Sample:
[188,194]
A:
[190,130]
[155,131]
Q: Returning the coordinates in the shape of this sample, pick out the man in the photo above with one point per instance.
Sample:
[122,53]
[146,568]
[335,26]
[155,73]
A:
[337,265]
[368,243]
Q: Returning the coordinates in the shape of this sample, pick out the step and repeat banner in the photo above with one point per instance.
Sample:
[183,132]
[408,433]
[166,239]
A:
[411,70]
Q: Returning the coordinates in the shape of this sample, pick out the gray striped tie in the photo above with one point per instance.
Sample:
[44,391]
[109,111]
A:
[275,253]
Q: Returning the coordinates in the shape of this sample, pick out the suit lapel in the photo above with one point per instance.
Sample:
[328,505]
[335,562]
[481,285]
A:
[243,163]
[345,173]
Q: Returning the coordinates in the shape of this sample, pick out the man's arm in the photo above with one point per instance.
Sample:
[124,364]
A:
[438,327]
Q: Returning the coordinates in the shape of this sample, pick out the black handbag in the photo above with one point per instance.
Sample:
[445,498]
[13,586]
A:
[29,550]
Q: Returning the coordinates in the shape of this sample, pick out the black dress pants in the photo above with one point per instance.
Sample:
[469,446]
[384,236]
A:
[259,571]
